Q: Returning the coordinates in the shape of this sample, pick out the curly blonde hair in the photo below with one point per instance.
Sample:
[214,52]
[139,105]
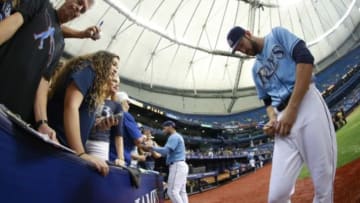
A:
[100,62]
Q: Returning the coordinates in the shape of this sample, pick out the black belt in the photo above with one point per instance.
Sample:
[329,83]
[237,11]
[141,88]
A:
[283,104]
[171,163]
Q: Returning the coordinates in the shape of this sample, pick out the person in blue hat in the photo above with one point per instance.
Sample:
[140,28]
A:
[299,118]
[174,150]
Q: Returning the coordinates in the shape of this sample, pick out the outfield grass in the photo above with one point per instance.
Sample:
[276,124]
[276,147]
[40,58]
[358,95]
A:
[348,141]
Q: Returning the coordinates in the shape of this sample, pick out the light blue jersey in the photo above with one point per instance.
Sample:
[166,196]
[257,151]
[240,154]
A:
[174,149]
[274,70]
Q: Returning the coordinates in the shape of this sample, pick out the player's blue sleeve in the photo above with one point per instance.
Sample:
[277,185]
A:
[83,79]
[169,146]
[287,39]
[258,84]
[162,150]
[302,54]
[131,126]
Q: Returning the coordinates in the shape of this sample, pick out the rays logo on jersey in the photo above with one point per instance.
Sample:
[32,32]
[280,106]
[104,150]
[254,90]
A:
[278,52]
[269,68]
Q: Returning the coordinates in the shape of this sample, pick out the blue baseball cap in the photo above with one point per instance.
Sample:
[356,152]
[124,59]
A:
[168,123]
[234,36]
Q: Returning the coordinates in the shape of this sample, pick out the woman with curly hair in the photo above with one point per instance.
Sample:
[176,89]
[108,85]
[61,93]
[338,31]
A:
[78,89]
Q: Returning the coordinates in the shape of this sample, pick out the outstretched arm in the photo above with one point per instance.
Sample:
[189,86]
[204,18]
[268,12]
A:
[90,32]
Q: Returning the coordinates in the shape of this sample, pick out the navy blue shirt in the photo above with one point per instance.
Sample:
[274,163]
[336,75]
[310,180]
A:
[130,133]
[83,80]
[108,109]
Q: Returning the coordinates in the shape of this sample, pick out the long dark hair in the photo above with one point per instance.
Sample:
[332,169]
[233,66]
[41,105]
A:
[100,62]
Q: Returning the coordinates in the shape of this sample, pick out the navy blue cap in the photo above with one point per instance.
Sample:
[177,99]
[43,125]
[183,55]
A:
[168,123]
[234,36]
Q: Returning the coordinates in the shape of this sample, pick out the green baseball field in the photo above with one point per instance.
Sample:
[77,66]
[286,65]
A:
[348,141]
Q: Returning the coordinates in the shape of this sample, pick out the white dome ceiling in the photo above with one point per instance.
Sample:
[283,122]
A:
[180,45]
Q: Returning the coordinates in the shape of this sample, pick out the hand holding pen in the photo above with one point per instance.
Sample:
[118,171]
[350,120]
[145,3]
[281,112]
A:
[93,32]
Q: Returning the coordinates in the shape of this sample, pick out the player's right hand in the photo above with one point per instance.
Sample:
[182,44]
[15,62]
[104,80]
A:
[99,164]
[269,128]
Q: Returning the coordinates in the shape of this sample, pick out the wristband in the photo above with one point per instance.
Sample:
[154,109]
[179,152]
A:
[39,123]
[80,154]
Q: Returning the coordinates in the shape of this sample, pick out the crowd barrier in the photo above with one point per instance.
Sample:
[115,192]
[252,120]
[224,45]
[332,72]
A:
[33,169]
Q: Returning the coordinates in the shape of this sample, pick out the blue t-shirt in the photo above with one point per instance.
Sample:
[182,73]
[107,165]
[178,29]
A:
[108,109]
[117,131]
[130,133]
[83,79]
[174,149]
[274,71]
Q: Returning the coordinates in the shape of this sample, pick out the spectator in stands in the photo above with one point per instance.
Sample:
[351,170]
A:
[137,160]
[31,55]
[130,132]
[343,116]
[174,150]
[149,163]
[335,120]
[9,8]
[76,92]
[107,123]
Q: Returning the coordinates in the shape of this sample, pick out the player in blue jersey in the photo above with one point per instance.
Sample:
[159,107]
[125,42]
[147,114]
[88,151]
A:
[175,153]
[299,118]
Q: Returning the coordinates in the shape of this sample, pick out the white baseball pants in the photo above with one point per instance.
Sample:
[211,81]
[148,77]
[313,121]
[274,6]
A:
[312,141]
[178,173]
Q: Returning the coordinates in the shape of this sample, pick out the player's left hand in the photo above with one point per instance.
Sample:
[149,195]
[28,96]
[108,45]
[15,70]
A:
[286,122]
[92,32]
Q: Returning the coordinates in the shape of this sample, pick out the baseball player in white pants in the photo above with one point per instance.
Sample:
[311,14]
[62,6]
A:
[174,150]
[298,116]
[312,140]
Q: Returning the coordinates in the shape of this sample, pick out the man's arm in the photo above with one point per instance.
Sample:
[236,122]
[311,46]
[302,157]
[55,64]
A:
[302,82]
[9,26]
[40,111]
[90,32]
[269,128]
[119,144]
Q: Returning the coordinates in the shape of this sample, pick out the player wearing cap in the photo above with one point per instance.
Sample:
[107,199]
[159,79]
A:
[298,116]
[174,150]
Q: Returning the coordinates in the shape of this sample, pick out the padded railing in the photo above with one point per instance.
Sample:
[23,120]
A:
[32,170]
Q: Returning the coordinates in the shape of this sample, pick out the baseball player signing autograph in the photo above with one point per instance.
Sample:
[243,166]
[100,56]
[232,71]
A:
[298,116]
[174,150]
